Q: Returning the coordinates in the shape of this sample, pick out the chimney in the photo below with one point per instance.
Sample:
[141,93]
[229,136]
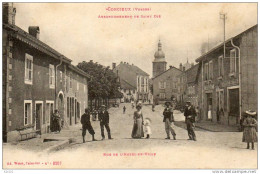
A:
[170,66]
[9,13]
[34,31]
[113,65]
[181,68]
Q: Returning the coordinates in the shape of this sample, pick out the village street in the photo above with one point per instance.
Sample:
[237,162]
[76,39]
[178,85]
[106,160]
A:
[212,150]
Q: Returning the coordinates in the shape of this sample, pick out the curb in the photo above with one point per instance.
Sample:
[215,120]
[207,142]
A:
[206,129]
[58,146]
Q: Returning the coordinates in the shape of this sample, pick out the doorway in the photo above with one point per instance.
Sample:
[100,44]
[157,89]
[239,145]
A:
[61,106]
[233,100]
[38,115]
[209,106]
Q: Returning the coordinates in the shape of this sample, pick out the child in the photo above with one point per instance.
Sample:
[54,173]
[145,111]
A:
[147,127]
[249,133]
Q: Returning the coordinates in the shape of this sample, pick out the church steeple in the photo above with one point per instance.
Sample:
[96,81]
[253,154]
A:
[159,54]
[159,63]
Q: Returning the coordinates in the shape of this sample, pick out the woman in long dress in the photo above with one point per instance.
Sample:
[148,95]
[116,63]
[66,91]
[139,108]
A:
[249,133]
[138,131]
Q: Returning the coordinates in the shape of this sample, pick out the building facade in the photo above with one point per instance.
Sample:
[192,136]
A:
[165,85]
[188,86]
[34,80]
[134,79]
[228,82]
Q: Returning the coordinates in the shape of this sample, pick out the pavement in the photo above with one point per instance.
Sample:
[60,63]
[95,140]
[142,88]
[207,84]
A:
[211,150]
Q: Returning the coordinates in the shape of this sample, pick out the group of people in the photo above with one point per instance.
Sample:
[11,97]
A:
[143,126]
[168,119]
[104,123]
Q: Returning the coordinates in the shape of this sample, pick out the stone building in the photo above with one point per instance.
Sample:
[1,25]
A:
[188,85]
[165,85]
[35,81]
[132,76]
[228,82]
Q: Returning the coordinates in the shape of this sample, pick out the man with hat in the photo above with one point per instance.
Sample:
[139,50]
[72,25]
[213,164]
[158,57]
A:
[86,125]
[190,115]
[104,122]
[168,119]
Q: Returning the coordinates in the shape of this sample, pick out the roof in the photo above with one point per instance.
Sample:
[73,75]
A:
[222,44]
[79,71]
[125,85]
[129,73]
[173,67]
[132,68]
[25,37]
[192,73]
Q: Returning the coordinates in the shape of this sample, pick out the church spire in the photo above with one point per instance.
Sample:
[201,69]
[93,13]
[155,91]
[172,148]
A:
[159,46]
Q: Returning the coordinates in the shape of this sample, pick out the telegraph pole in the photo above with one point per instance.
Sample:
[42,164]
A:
[224,17]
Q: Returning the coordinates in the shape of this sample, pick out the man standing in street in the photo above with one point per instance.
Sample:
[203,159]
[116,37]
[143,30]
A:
[168,119]
[86,125]
[190,115]
[104,122]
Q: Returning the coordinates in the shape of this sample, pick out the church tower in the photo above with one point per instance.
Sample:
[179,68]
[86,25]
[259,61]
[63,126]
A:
[159,63]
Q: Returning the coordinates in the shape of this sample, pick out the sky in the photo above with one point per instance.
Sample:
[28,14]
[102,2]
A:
[75,30]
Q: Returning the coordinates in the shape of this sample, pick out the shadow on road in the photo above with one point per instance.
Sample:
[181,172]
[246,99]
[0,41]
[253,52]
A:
[182,125]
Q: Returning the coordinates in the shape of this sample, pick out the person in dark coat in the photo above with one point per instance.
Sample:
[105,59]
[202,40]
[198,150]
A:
[168,120]
[124,108]
[249,132]
[104,122]
[190,114]
[86,125]
[56,121]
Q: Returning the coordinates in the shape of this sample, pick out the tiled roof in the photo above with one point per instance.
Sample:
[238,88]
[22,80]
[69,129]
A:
[191,73]
[221,45]
[125,85]
[25,37]
[166,71]
[128,73]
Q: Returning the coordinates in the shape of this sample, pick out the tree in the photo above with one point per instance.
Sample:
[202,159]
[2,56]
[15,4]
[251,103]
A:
[104,83]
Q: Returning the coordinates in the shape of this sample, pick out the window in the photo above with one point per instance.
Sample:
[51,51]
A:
[210,70]
[28,69]
[51,76]
[84,88]
[174,85]
[70,79]
[162,95]
[142,84]
[162,85]
[60,76]
[49,111]
[233,61]
[220,66]
[27,112]
[77,86]
[206,71]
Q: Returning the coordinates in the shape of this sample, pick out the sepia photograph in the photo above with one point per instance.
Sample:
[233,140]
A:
[151,85]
